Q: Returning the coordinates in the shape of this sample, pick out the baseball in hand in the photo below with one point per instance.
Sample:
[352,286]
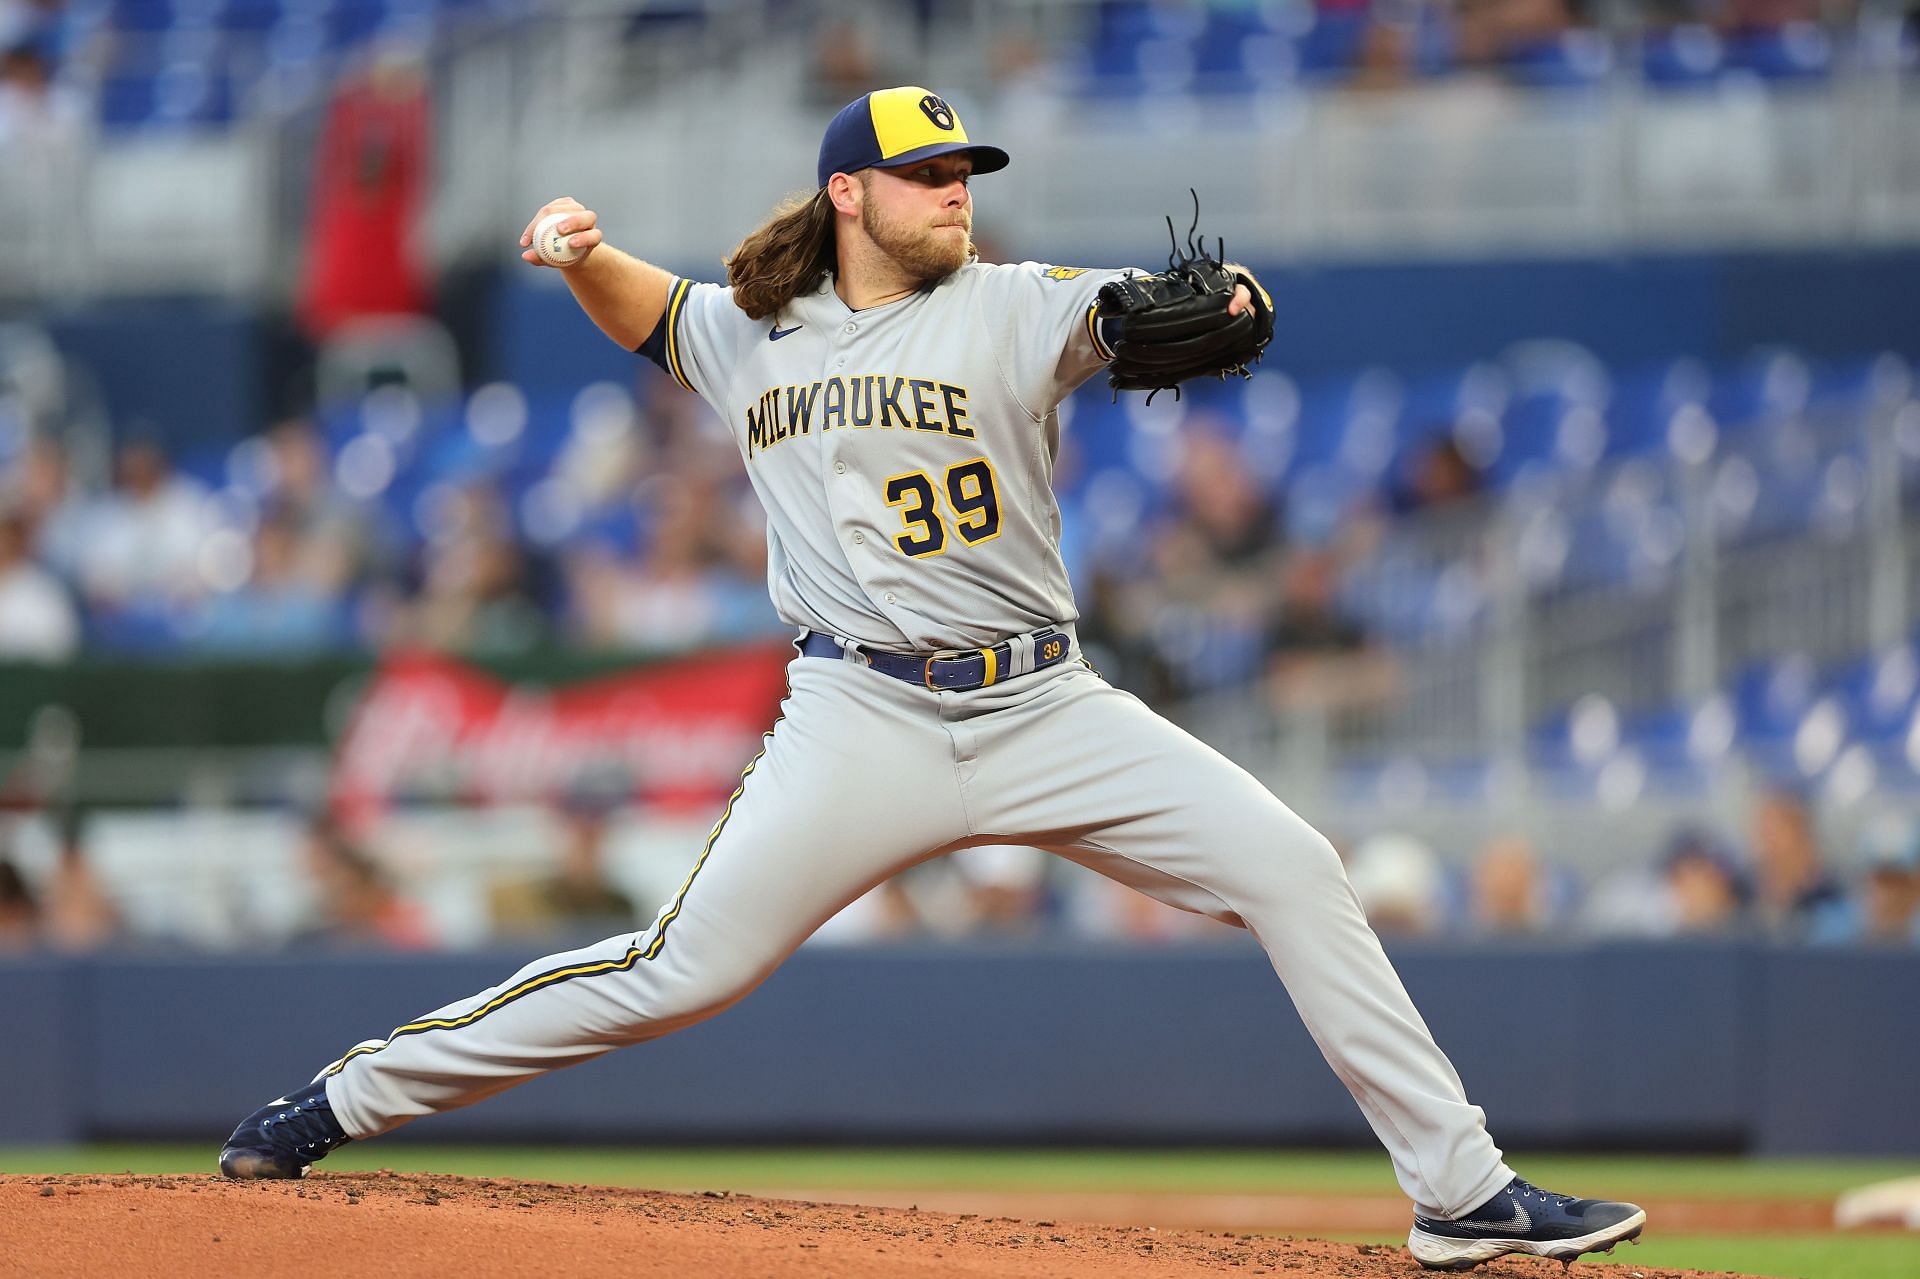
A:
[551,245]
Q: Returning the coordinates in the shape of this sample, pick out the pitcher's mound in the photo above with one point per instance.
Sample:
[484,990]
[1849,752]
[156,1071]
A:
[403,1225]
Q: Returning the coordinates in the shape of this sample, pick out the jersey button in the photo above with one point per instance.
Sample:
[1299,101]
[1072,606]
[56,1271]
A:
[851,328]
[839,468]
[859,539]
[889,597]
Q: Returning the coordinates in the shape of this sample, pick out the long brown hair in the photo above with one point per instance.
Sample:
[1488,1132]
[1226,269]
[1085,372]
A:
[785,257]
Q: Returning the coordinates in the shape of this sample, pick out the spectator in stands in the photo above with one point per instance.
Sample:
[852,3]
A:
[37,620]
[55,510]
[331,533]
[744,611]
[1706,891]
[358,905]
[1226,524]
[1436,476]
[1115,628]
[1216,557]
[1748,17]
[1509,889]
[76,911]
[1090,905]
[1884,909]
[1795,891]
[365,255]
[475,596]
[1321,656]
[139,546]
[844,63]
[576,892]
[1384,55]
[279,608]
[19,912]
[1490,32]
[35,112]
[674,597]
[884,913]
[1006,888]
[1400,884]
[1889,903]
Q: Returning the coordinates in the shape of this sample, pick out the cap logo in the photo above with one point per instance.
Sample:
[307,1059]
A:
[938,111]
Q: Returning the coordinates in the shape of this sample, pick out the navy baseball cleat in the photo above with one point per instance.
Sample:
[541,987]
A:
[1524,1218]
[283,1137]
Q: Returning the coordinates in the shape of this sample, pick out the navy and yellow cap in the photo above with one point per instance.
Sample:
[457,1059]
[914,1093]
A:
[891,127]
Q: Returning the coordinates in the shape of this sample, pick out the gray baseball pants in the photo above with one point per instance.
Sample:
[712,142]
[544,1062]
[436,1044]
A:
[1056,758]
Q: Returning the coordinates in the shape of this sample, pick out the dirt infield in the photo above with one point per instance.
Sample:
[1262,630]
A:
[408,1225]
[1298,1214]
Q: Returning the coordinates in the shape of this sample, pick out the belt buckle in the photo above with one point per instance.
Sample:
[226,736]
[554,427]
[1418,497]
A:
[944,655]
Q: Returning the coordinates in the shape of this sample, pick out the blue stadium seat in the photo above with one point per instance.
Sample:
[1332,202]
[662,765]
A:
[74,28]
[1684,57]
[1220,54]
[143,15]
[1880,693]
[354,21]
[1793,51]
[1770,383]
[257,16]
[1330,48]
[1858,383]
[185,94]
[1771,697]
[1531,433]
[1644,400]
[1576,59]
[125,101]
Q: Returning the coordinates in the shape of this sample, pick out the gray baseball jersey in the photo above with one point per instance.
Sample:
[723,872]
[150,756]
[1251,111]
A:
[904,455]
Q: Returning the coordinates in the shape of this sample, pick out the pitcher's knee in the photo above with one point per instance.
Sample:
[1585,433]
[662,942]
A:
[1285,840]
[683,998]
[1293,857]
[1313,853]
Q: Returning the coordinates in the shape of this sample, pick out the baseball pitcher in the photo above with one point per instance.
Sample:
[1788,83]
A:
[894,400]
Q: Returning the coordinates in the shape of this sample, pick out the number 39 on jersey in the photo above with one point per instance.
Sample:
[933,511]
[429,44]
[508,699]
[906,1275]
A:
[972,507]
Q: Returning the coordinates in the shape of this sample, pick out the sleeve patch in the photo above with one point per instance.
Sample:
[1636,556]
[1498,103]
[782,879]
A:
[1063,272]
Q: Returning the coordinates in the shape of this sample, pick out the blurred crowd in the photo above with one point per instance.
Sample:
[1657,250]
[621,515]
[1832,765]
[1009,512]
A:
[144,559]
[1219,589]
[632,529]
[67,66]
[1777,882]
[1156,49]
[116,551]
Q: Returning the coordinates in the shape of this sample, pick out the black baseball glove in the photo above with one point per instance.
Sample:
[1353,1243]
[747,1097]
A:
[1173,325]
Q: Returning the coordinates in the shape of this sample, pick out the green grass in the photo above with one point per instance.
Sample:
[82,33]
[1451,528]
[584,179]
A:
[1813,1256]
[1793,1256]
[1227,1171]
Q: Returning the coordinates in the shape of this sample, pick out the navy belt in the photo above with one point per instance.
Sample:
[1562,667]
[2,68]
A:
[954,670]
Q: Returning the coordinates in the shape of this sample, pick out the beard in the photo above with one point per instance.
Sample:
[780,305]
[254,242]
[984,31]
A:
[923,252]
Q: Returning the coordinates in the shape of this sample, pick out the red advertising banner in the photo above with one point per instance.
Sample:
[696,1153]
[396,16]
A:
[433,728]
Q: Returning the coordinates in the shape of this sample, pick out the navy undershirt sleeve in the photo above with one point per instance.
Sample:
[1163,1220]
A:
[655,347]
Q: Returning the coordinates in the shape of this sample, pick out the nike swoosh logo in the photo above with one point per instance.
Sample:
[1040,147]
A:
[778,332]
[1518,1224]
